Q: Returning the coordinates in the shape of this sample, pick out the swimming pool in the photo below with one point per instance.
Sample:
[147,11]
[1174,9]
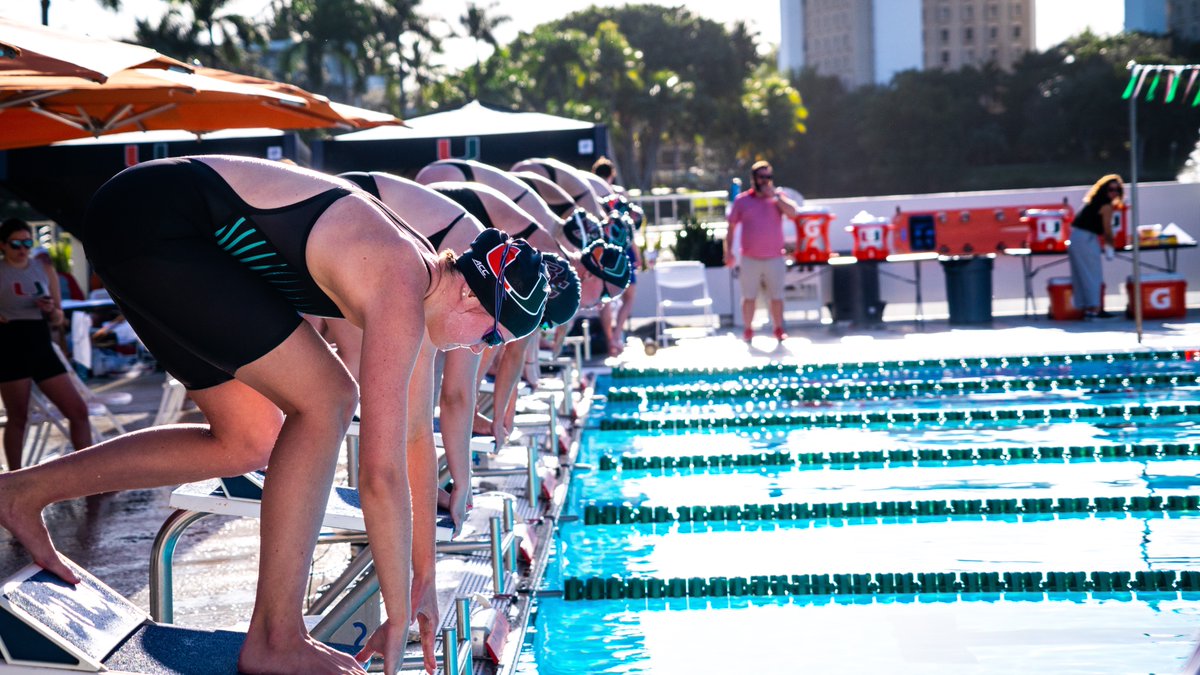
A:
[748,524]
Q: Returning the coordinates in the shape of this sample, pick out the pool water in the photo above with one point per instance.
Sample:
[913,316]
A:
[1032,498]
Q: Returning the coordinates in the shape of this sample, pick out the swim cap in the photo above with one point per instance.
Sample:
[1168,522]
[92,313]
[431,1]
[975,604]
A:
[564,291]
[582,228]
[618,230]
[525,288]
[622,205]
[609,263]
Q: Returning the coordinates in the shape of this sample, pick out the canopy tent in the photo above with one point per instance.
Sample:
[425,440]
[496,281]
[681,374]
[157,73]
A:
[474,131]
[59,180]
[1174,76]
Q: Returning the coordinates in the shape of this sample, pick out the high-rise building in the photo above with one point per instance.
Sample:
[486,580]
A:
[869,41]
[1183,18]
[962,33]
[1146,16]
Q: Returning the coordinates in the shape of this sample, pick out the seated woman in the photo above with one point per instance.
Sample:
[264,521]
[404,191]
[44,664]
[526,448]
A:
[29,304]
[212,259]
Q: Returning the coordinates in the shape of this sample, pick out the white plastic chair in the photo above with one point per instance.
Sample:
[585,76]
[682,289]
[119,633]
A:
[97,403]
[683,286]
[170,406]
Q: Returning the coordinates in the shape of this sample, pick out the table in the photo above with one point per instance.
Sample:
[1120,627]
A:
[1029,270]
[915,258]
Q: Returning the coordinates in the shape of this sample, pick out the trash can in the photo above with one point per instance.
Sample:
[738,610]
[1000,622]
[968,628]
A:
[969,290]
[856,293]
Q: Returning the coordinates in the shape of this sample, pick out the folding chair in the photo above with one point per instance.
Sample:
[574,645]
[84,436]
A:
[170,406]
[97,403]
[681,285]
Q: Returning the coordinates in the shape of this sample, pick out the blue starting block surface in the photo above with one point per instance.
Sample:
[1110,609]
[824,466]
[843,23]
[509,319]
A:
[48,625]
[45,620]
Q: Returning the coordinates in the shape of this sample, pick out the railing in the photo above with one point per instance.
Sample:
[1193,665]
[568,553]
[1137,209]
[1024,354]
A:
[672,208]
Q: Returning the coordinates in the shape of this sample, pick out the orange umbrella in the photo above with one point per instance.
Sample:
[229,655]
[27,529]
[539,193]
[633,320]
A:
[28,49]
[359,118]
[41,110]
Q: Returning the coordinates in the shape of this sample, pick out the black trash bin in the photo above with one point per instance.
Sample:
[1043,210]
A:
[969,290]
[856,293]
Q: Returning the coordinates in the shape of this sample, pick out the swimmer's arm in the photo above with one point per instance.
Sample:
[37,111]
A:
[422,464]
[460,383]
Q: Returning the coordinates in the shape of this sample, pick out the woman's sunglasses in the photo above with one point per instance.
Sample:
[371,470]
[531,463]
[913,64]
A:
[20,243]
[494,338]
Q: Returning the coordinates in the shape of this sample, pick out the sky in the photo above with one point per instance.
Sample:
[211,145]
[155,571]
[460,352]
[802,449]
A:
[1056,19]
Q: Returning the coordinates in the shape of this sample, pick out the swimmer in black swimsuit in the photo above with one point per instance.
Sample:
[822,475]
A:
[568,178]
[508,185]
[212,259]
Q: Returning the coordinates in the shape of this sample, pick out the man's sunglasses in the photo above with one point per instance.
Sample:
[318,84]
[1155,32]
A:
[494,338]
[764,176]
[20,243]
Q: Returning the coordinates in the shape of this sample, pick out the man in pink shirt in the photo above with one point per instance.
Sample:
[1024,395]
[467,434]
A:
[760,211]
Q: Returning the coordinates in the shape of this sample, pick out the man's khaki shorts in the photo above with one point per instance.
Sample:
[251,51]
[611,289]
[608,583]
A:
[757,274]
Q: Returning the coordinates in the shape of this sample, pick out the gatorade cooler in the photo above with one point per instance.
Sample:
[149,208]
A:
[1062,308]
[1121,228]
[1163,296]
[870,237]
[1049,229]
[812,235]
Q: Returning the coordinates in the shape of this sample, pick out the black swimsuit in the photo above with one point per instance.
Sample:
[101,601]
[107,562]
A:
[466,198]
[208,282]
[560,209]
[367,182]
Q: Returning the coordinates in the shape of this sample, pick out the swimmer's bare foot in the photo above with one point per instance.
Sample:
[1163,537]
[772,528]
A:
[26,525]
[299,655]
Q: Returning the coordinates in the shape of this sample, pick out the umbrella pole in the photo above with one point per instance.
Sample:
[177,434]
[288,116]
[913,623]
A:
[1131,226]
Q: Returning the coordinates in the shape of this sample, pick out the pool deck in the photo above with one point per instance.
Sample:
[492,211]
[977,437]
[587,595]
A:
[216,569]
[1007,335]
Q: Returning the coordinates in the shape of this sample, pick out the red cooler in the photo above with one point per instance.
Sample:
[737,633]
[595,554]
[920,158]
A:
[812,235]
[1061,306]
[871,235]
[1164,296]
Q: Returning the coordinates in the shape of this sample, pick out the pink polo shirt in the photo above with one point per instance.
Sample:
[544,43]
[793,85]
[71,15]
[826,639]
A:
[761,225]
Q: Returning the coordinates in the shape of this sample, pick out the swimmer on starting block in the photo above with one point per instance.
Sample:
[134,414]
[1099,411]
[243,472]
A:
[212,259]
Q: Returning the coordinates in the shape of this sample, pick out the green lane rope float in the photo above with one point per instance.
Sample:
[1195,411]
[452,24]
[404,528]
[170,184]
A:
[882,583]
[1116,413]
[905,457]
[628,514]
[816,391]
[844,369]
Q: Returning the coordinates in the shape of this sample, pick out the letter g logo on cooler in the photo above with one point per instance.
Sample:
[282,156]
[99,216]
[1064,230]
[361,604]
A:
[1159,298]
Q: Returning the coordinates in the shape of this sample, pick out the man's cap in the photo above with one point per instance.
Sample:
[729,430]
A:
[582,228]
[525,288]
[609,263]
[564,291]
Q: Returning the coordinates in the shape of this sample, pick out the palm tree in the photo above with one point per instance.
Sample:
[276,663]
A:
[324,34]
[481,23]
[397,26]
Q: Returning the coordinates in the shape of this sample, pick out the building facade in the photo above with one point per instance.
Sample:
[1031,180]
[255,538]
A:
[961,33]
[868,41]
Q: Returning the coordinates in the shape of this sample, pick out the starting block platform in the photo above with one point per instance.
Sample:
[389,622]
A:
[48,625]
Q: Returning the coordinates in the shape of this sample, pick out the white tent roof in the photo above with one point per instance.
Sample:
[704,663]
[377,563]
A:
[473,119]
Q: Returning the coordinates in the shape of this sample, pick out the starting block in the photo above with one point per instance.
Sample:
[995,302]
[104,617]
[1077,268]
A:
[48,625]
